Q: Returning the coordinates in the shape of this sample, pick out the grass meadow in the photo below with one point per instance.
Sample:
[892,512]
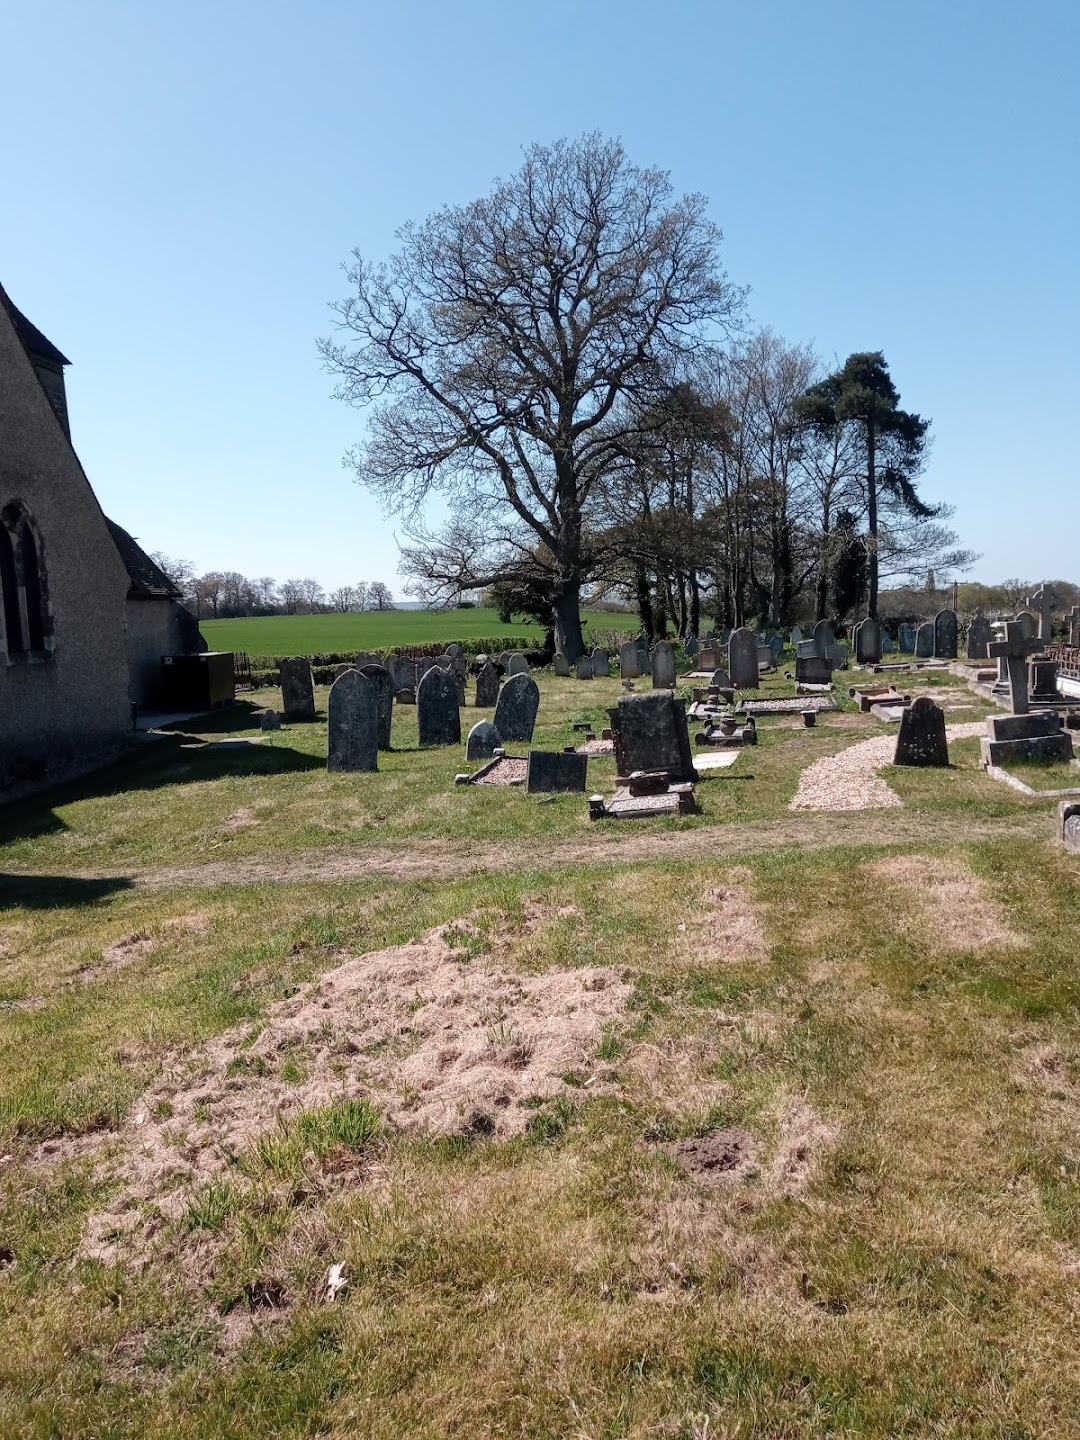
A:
[381,630]
[876,1012]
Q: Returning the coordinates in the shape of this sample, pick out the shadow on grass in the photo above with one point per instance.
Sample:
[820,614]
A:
[56,892]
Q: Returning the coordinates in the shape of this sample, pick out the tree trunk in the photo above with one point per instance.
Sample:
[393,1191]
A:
[566,615]
[871,518]
[644,601]
[695,604]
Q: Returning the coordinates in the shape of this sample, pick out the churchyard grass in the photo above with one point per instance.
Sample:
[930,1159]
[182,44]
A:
[884,1004]
[382,630]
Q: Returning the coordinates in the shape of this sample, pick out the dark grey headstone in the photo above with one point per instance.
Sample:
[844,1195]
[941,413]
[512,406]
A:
[383,684]
[812,670]
[945,635]
[824,636]
[600,665]
[692,646]
[560,665]
[978,637]
[483,741]
[550,770]
[924,641]
[352,731]
[905,637]
[297,690]
[515,713]
[517,665]
[742,660]
[583,667]
[629,668]
[663,665]
[437,713]
[269,720]
[650,733]
[454,650]
[487,686]
[867,640]
[921,740]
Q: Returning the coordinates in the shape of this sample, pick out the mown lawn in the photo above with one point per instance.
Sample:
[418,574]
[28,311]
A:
[881,1009]
[335,634]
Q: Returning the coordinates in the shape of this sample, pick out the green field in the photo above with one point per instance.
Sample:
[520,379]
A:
[380,630]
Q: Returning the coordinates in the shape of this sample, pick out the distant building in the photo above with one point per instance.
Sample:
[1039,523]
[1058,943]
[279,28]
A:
[85,614]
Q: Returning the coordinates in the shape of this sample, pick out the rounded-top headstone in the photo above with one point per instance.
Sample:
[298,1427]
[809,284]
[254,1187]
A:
[560,664]
[629,664]
[453,650]
[483,741]
[945,630]
[383,681]
[515,713]
[437,715]
[600,665]
[352,730]
[824,636]
[663,666]
[743,659]
[517,664]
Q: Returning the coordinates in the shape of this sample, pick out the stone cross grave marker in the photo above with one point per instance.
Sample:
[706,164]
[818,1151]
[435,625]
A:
[487,686]
[383,685]
[352,729]
[515,712]
[297,690]
[437,715]
[743,659]
[1014,650]
[1043,602]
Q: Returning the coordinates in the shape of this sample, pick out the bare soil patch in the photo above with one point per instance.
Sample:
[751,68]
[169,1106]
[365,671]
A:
[949,901]
[717,1159]
[440,1046]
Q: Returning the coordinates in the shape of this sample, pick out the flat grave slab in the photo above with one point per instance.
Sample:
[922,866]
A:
[676,800]
[715,760]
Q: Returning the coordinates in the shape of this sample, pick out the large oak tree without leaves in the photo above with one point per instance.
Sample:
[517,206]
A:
[504,352]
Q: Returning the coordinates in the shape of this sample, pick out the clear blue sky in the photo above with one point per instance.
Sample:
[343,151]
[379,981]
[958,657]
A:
[183,180]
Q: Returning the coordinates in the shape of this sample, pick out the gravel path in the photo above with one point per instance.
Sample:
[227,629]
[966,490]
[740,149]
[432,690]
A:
[850,780]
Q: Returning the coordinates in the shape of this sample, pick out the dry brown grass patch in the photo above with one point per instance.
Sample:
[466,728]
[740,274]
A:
[727,928]
[949,900]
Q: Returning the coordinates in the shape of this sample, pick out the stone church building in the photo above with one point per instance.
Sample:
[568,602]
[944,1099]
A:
[85,614]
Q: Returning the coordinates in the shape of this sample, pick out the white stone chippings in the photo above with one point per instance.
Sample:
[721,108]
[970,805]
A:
[850,780]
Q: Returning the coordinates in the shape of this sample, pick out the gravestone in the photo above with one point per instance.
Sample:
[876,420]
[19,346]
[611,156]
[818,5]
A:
[742,660]
[806,650]
[663,666]
[924,641]
[776,643]
[812,670]
[364,658]
[692,646]
[553,770]
[886,643]
[444,661]
[269,720]
[487,687]
[352,724]
[340,670]
[720,680]
[560,664]
[796,635]
[1014,650]
[1074,627]
[1029,626]
[423,665]
[921,740]
[454,649]
[437,715]
[628,661]
[600,665]
[867,642]
[945,635]
[905,637]
[517,665]
[297,690]
[978,637]
[515,713]
[649,733]
[583,667]
[766,657]
[644,659]
[383,684]
[824,636]
[1036,735]
[483,741]
[1043,602]
[1069,824]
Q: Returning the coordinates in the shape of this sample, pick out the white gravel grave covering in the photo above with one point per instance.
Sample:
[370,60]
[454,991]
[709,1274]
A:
[850,780]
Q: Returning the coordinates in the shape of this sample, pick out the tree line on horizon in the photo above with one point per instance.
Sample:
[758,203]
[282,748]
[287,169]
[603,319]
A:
[228,595]
[567,366]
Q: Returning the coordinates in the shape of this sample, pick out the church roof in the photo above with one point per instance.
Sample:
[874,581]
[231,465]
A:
[33,341]
[148,580]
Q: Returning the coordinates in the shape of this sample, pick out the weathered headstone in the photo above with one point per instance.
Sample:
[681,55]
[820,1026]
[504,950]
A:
[628,661]
[487,686]
[297,690]
[692,646]
[924,641]
[644,659]
[1029,626]
[444,661]
[945,635]
[812,670]
[921,740]
[1074,627]
[515,713]
[796,635]
[1036,735]
[483,741]
[743,659]
[560,664]
[867,642]
[886,643]
[1014,650]
[364,657]
[978,637]
[663,666]
[269,720]
[340,670]
[517,664]
[553,770]
[905,637]
[437,715]
[649,732]
[384,699]
[1069,824]
[600,665]
[1043,602]
[454,649]
[583,667]
[352,730]
[824,636]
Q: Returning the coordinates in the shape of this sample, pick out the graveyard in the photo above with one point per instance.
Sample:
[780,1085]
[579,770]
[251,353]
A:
[494,1050]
